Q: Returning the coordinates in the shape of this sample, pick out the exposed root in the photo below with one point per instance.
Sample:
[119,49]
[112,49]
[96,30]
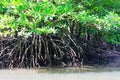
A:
[53,50]
[37,51]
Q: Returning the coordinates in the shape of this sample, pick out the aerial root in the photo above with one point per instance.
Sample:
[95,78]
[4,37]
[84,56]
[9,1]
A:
[40,50]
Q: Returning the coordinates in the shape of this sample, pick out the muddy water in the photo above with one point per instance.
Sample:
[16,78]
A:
[61,74]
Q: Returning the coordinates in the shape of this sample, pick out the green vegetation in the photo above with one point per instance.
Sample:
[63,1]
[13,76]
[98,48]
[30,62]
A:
[83,17]
[57,32]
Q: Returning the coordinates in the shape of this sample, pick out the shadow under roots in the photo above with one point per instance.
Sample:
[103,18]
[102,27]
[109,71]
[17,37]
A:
[40,51]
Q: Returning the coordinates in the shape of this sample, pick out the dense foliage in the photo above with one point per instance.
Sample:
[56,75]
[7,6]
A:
[97,19]
[35,33]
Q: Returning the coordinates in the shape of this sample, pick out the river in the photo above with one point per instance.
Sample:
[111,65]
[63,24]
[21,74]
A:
[61,74]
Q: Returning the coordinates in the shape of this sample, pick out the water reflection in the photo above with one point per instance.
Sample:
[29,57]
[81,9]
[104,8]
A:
[77,70]
[61,74]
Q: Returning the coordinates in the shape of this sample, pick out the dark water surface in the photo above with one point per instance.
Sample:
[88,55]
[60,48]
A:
[61,74]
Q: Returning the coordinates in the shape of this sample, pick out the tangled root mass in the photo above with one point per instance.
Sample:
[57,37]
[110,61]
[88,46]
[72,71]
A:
[54,50]
[40,50]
